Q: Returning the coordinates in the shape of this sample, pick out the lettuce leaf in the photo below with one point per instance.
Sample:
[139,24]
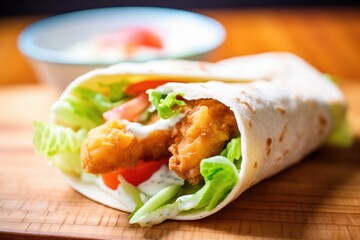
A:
[133,192]
[77,113]
[233,151]
[160,199]
[340,135]
[60,145]
[101,102]
[331,78]
[68,162]
[83,107]
[220,176]
[167,105]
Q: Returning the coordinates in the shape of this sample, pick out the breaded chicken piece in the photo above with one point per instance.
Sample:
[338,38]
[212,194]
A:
[202,133]
[110,146]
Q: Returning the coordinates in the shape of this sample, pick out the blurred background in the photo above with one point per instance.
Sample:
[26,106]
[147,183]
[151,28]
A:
[27,7]
[325,33]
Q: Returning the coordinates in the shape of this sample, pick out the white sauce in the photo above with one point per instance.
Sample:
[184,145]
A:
[118,194]
[161,179]
[142,131]
[88,178]
[183,203]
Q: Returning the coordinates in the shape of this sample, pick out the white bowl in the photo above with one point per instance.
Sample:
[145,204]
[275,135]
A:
[185,35]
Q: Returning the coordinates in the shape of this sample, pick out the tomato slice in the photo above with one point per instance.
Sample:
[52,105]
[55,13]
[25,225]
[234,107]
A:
[139,174]
[146,37]
[141,87]
[132,37]
[110,179]
[128,110]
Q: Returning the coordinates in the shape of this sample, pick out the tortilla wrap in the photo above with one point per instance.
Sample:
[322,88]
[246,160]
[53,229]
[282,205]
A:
[282,106]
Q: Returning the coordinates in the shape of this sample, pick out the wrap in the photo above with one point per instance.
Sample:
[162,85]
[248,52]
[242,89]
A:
[284,109]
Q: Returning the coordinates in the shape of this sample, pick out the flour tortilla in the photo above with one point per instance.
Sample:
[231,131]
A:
[281,104]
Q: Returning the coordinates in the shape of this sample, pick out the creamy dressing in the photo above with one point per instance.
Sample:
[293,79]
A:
[88,178]
[183,203]
[158,216]
[142,131]
[118,194]
[161,179]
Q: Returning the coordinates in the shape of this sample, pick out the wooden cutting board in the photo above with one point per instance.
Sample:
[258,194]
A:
[318,198]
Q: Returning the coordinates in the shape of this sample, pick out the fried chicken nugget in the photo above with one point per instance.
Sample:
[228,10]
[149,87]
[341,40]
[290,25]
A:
[202,133]
[109,147]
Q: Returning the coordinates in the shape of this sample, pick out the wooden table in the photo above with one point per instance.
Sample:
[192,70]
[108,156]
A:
[318,198]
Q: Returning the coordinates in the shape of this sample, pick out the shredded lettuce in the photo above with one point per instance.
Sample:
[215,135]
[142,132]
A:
[232,150]
[340,135]
[83,107]
[115,91]
[146,115]
[167,105]
[220,176]
[101,102]
[68,162]
[160,199]
[50,139]
[332,78]
[61,145]
[77,113]
[133,192]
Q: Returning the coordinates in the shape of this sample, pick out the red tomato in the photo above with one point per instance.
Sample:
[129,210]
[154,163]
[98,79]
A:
[132,37]
[128,110]
[141,87]
[139,174]
[110,179]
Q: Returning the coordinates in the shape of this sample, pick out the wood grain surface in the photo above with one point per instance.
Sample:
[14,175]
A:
[318,198]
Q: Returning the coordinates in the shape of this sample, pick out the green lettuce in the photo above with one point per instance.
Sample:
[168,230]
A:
[83,107]
[77,113]
[220,176]
[99,101]
[331,78]
[340,135]
[233,151]
[133,192]
[160,199]
[167,105]
[60,145]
